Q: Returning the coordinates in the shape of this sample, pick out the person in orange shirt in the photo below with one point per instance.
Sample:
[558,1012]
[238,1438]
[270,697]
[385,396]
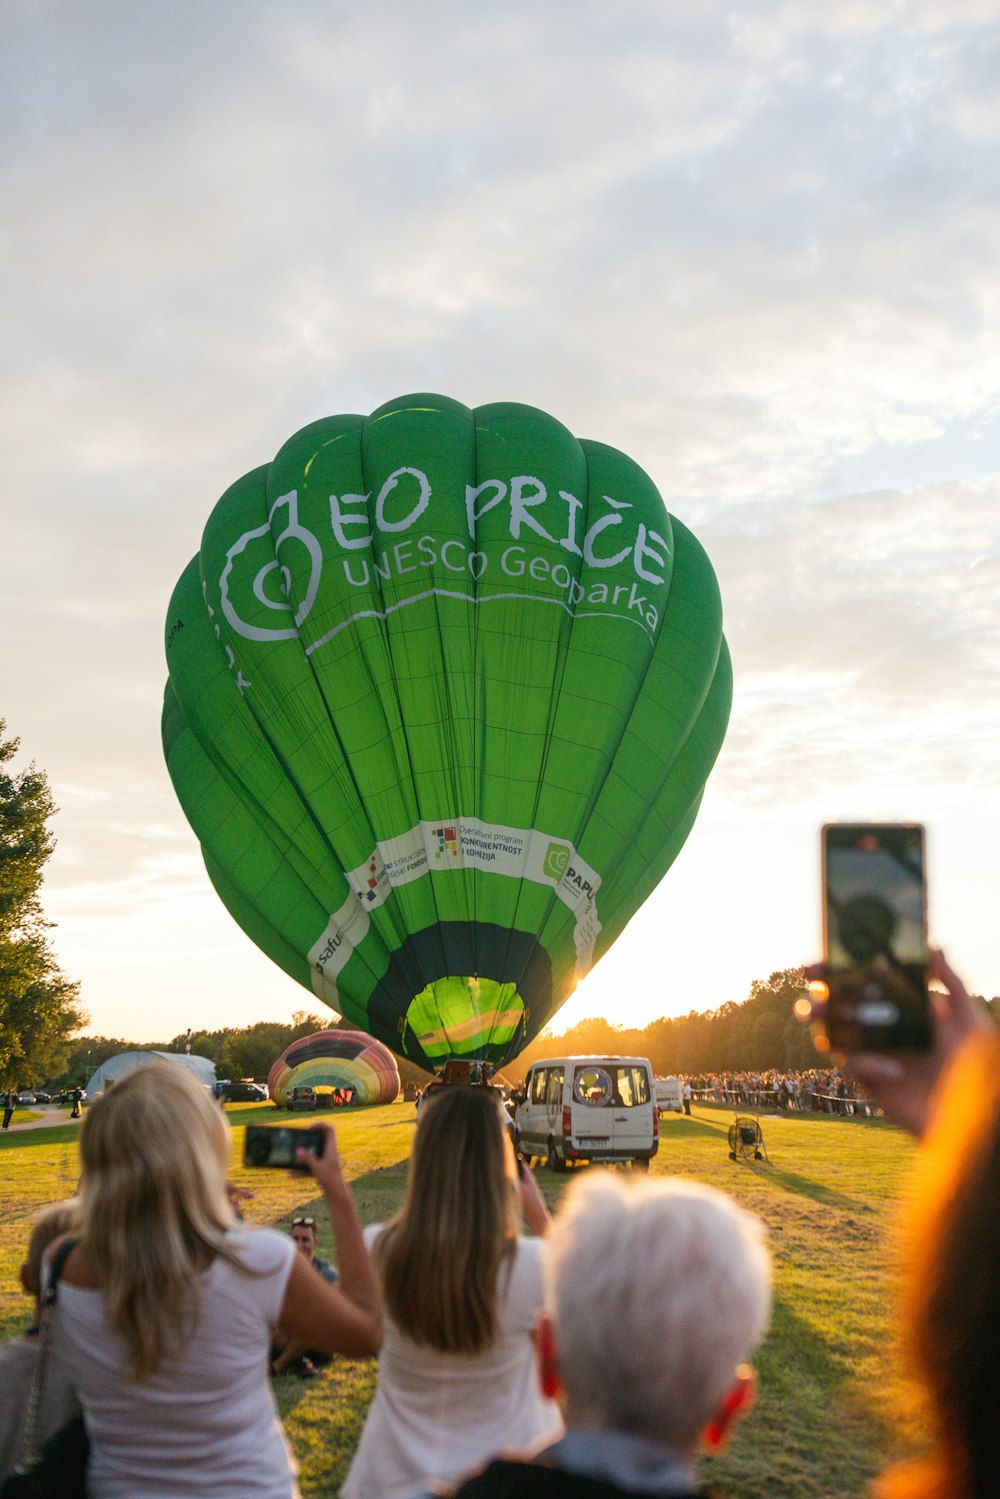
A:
[949,1097]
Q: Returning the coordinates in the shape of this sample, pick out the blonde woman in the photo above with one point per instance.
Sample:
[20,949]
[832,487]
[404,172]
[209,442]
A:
[166,1305]
[462,1291]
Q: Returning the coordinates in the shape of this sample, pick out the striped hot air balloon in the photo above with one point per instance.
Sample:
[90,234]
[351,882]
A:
[336,1059]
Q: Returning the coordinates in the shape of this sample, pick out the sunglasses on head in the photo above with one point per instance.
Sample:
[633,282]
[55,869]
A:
[303,1222]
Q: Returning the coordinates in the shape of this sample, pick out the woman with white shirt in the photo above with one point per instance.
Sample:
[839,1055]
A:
[166,1305]
[462,1290]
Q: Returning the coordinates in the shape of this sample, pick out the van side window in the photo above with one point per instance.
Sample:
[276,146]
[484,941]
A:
[554,1094]
[633,1086]
[593,1086]
[538,1085]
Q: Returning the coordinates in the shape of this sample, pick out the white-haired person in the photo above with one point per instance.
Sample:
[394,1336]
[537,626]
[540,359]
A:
[657,1296]
[166,1305]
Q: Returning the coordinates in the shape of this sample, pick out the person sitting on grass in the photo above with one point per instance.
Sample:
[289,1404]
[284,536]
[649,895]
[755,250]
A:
[657,1295]
[292,1353]
[18,1358]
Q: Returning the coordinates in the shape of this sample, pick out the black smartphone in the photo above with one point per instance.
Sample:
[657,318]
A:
[875,937]
[275,1145]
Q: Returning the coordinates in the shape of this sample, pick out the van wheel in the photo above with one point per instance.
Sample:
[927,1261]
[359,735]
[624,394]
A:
[640,1163]
[557,1161]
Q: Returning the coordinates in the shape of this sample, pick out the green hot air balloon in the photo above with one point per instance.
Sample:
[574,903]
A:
[445,687]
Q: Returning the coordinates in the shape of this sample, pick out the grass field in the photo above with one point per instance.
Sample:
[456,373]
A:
[821,1426]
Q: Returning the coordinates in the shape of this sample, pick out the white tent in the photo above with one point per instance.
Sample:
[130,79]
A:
[129,1061]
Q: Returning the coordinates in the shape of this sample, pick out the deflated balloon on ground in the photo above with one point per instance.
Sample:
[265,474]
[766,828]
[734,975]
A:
[338,1060]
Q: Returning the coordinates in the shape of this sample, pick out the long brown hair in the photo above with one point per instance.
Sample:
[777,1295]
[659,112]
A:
[951,1290]
[441,1256]
[154,1213]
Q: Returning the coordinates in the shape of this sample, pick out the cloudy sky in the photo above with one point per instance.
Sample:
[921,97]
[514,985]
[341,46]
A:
[753,245]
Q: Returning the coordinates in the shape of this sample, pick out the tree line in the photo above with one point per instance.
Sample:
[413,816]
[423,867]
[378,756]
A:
[755,1034]
[237,1052]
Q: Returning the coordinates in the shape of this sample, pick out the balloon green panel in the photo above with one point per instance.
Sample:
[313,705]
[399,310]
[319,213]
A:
[446,686]
[671,813]
[270,862]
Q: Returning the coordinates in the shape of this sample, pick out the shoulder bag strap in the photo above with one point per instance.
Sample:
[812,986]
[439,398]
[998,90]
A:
[29,1444]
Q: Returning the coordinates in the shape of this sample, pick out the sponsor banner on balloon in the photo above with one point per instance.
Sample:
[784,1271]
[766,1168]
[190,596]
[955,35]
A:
[468,843]
[328,956]
[459,843]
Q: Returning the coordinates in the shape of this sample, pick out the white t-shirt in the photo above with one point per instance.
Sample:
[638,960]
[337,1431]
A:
[205,1423]
[436,1415]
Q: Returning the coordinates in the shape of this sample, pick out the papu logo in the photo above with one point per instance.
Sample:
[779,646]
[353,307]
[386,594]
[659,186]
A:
[556,860]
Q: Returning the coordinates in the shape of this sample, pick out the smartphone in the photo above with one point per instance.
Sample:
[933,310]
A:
[875,937]
[275,1145]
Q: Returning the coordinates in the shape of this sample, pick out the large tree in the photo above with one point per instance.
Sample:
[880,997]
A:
[39,1007]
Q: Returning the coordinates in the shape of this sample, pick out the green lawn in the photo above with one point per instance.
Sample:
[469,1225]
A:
[820,1427]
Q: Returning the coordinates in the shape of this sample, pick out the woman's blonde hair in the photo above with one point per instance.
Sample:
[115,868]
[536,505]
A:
[154,1211]
[441,1256]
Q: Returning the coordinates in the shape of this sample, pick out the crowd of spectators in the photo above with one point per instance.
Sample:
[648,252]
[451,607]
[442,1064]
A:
[814,1091]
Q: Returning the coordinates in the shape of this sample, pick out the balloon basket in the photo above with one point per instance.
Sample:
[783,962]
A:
[461,1072]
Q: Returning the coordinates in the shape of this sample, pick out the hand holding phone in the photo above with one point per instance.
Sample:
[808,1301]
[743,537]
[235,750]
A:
[875,937]
[903,1085]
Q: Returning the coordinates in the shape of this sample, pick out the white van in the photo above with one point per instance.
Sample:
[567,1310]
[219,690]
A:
[668,1094]
[589,1109]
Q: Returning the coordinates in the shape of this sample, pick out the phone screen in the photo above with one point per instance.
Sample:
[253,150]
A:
[875,924]
[275,1145]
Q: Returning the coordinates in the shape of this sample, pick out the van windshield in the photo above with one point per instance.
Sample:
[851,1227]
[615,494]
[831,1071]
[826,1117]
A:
[611,1085]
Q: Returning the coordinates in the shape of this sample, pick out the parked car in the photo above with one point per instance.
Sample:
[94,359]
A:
[26,1098]
[301,1097]
[242,1092]
[589,1109]
[41,1097]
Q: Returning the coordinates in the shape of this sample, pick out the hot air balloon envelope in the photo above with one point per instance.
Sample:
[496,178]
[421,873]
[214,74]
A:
[444,690]
[337,1060]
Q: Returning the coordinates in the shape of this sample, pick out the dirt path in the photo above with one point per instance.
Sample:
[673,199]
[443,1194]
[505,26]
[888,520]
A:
[50,1116]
